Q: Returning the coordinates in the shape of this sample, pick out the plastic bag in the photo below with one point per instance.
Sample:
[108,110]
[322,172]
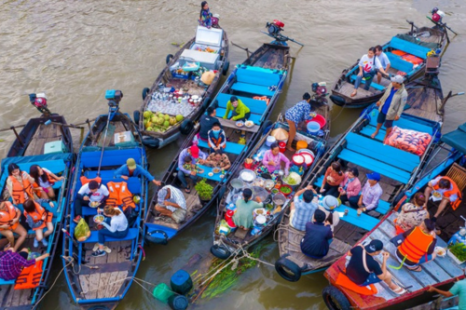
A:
[82,231]
[409,140]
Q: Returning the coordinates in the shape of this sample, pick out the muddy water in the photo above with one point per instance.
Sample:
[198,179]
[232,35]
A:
[76,49]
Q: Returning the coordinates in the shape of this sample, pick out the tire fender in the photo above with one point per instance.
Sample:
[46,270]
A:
[145,92]
[334,299]
[220,251]
[168,58]
[287,269]
[157,237]
[225,68]
[151,142]
[137,116]
[186,126]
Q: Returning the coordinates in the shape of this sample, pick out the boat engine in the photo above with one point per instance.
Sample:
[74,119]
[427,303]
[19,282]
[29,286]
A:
[274,30]
[319,94]
[114,97]
[39,101]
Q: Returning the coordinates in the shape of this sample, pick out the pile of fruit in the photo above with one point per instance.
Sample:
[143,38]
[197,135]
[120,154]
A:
[159,122]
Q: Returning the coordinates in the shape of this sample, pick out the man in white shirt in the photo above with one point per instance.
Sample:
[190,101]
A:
[169,200]
[384,61]
[90,192]
[368,67]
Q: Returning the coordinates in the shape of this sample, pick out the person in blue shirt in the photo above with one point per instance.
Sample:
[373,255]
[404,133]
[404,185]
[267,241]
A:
[384,61]
[391,105]
[131,169]
[318,236]
[458,289]
[297,114]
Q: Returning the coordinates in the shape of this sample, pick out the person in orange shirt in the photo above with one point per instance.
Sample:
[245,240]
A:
[332,179]
[9,224]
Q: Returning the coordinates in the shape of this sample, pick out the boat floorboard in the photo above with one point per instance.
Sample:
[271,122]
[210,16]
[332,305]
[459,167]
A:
[43,135]
[102,285]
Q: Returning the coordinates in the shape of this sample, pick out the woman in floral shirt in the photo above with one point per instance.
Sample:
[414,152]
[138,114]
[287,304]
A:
[412,213]
[205,17]
[300,112]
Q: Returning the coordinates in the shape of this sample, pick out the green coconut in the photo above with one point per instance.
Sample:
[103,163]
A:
[179,118]
[147,114]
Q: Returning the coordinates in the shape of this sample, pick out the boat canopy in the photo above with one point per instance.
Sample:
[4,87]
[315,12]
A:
[456,138]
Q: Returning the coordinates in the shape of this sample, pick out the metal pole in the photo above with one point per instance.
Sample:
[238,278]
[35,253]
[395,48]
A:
[17,136]
[103,143]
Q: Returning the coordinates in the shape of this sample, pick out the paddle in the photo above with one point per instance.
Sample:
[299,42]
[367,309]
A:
[441,25]
[244,49]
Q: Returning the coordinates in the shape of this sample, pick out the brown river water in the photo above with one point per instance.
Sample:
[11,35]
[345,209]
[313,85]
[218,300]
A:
[76,49]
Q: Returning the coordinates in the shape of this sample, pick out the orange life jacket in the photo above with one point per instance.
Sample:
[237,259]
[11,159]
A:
[37,215]
[6,216]
[37,186]
[20,189]
[29,277]
[120,195]
[85,180]
[447,194]
[415,245]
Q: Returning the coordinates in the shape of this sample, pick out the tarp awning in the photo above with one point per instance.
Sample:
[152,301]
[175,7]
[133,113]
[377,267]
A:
[456,138]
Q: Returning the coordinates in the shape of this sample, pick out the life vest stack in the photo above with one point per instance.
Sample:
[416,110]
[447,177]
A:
[120,195]
[29,277]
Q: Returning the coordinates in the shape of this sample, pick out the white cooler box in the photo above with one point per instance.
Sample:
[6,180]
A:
[207,60]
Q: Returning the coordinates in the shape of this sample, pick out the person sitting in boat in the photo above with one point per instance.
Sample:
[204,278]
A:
[302,210]
[273,159]
[196,154]
[351,186]
[9,224]
[418,246]
[43,181]
[217,160]
[458,289]
[206,123]
[364,270]
[391,105]
[444,189]
[328,205]
[118,228]
[12,263]
[171,203]
[316,241]
[370,195]
[368,65]
[19,184]
[39,218]
[243,217]
[205,17]
[332,179]
[412,213]
[384,61]
[240,111]
[131,169]
[92,192]
[297,114]
[217,139]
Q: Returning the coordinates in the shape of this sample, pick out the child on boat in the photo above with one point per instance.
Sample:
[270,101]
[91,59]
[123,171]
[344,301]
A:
[205,17]
[217,138]
[39,218]
[44,180]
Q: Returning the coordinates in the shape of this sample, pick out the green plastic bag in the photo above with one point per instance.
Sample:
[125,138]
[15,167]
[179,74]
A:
[82,231]
[162,292]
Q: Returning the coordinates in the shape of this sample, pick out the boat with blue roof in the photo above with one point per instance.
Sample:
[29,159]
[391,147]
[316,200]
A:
[103,281]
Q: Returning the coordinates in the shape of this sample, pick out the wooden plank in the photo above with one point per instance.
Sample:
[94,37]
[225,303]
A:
[3,294]
[113,256]
[447,263]
[232,124]
[104,279]
[84,281]
[117,284]
[93,285]
[110,284]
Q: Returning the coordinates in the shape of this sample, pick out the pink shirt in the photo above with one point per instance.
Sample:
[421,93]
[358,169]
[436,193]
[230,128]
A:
[277,159]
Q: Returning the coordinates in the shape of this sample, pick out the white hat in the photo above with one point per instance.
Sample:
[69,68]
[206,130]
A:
[330,202]
[398,79]
[41,95]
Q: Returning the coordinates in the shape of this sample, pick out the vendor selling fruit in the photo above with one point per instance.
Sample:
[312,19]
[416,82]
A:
[273,158]
[240,111]
[131,169]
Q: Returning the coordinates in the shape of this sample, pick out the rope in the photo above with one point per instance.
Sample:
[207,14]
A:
[55,281]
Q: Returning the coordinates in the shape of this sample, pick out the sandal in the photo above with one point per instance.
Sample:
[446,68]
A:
[417,269]
[398,291]
[187,190]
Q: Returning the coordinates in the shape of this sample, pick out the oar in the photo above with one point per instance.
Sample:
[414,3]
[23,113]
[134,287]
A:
[441,25]
[244,49]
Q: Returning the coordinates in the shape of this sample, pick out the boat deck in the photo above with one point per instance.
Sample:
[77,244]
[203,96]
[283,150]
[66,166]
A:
[43,135]
[424,102]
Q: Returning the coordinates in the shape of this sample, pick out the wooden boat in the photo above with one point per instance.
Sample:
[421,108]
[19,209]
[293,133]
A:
[267,66]
[229,241]
[399,170]
[102,282]
[30,149]
[209,48]
[445,303]
[441,271]
[414,44]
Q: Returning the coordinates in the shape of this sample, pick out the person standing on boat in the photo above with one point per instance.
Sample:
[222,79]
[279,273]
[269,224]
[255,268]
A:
[273,159]
[196,155]
[391,105]
[364,270]
[118,228]
[302,111]
[44,180]
[19,184]
[458,289]
[205,17]
[368,66]
[418,246]
[207,121]
[169,201]
[131,169]
[444,189]
[240,111]
[217,139]
[351,186]
[302,210]
[384,61]
[412,213]
[332,179]
[12,263]
[370,195]
[316,241]
[243,217]
[9,224]
[89,193]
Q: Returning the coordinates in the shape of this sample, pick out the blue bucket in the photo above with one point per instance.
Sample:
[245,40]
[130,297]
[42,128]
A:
[313,128]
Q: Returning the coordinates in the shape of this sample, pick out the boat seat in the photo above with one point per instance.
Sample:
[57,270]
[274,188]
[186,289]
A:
[363,221]
[259,69]
[205,174]
[232,148]
[373,84]
[409,47]
[389,171]
[403,122]
[88,211]
[5,282]
[369,130]
[256,118]
[385,153]
[253,89]
[256,77]
[398,63]
[54,166]
[112,158]
[254,105]
[104,174]
[134,183]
